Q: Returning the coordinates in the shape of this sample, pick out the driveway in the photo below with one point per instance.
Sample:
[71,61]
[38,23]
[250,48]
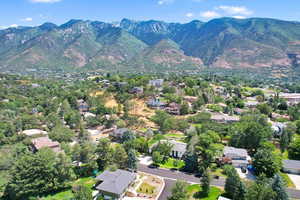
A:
[145,160]
[295,179]
[248,175]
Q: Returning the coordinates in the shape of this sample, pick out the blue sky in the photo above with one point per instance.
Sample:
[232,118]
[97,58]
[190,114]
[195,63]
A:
[35,12]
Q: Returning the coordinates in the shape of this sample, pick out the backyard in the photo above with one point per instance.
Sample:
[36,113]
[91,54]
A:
[67,194]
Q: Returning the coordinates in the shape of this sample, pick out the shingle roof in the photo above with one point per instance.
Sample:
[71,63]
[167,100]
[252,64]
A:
[231,151]
[115,182]
[291,164]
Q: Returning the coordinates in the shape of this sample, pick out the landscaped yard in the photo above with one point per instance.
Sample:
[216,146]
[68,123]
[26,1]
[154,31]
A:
[195,193]
[146,188]
[173,164]
[67,194]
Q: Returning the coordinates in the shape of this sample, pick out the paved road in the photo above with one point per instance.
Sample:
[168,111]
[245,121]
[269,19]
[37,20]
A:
[170,178]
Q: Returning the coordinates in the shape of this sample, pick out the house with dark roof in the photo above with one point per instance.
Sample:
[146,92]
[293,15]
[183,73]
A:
[156,103]
[112,185]
[178,149]
[137,90]
[236,156]
[291,166]
[156,83]
[173,108]
[118,133]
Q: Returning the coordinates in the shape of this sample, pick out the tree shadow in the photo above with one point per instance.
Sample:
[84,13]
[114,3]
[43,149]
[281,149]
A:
[200,195]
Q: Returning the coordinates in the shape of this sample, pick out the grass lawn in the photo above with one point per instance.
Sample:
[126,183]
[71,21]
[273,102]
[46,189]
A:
[145,188]
[197,125]
[193,190]
[287,179]
[170,164]
[67,194]
[174,135]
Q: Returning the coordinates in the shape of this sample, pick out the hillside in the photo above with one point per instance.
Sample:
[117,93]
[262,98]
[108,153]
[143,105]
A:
[152,46]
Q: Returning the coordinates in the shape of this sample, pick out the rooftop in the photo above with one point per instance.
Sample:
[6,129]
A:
[291,164]
[235,151]
[115,182]
[42,142]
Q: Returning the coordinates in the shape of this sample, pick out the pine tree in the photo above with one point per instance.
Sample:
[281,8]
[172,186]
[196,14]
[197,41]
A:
[284,141]
[279,188]
[205,183]
[132,160]
[232,183]
[179,191]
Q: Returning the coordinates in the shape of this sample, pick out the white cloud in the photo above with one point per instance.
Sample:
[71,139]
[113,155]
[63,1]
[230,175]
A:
[45,1]
[27,19]
[163,2]
[210,14]
[235,10]
[189,14]
[239,17]
[10,26]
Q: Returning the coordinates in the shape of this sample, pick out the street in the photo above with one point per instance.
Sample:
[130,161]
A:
[170,178]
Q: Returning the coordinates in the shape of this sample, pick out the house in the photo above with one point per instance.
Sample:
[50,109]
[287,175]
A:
[156,103]
[118,133]
[43,142]
[137,90]
[114,184]
[173,108]
[34,132]
[239,111]
[178,148]
[291,166]
[190,99]
[156,83]
[223,118]
[251,104]
[236,156]
[291,98]
[82,106]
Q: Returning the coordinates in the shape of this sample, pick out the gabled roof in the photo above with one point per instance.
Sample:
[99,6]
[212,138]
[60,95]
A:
[291,164]
[115,182]
[232,151]
[42,142]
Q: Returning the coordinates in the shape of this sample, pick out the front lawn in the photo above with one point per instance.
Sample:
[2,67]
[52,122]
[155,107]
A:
[287,180]
[172,163]
[195,193]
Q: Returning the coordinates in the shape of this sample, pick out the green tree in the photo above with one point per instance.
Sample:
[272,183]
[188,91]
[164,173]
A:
[82,192]
[234,187]
[61,133]
[38,174]
[157,157]
[104,153]
[260,190]
[184,109]
[120,157]
[266,162]
[284,141]
[179,191]
[132,160]
[205,183]
[265,109]
[294,149]
[279,188]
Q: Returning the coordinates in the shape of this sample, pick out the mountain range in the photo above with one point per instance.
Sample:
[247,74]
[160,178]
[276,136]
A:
[153,46]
